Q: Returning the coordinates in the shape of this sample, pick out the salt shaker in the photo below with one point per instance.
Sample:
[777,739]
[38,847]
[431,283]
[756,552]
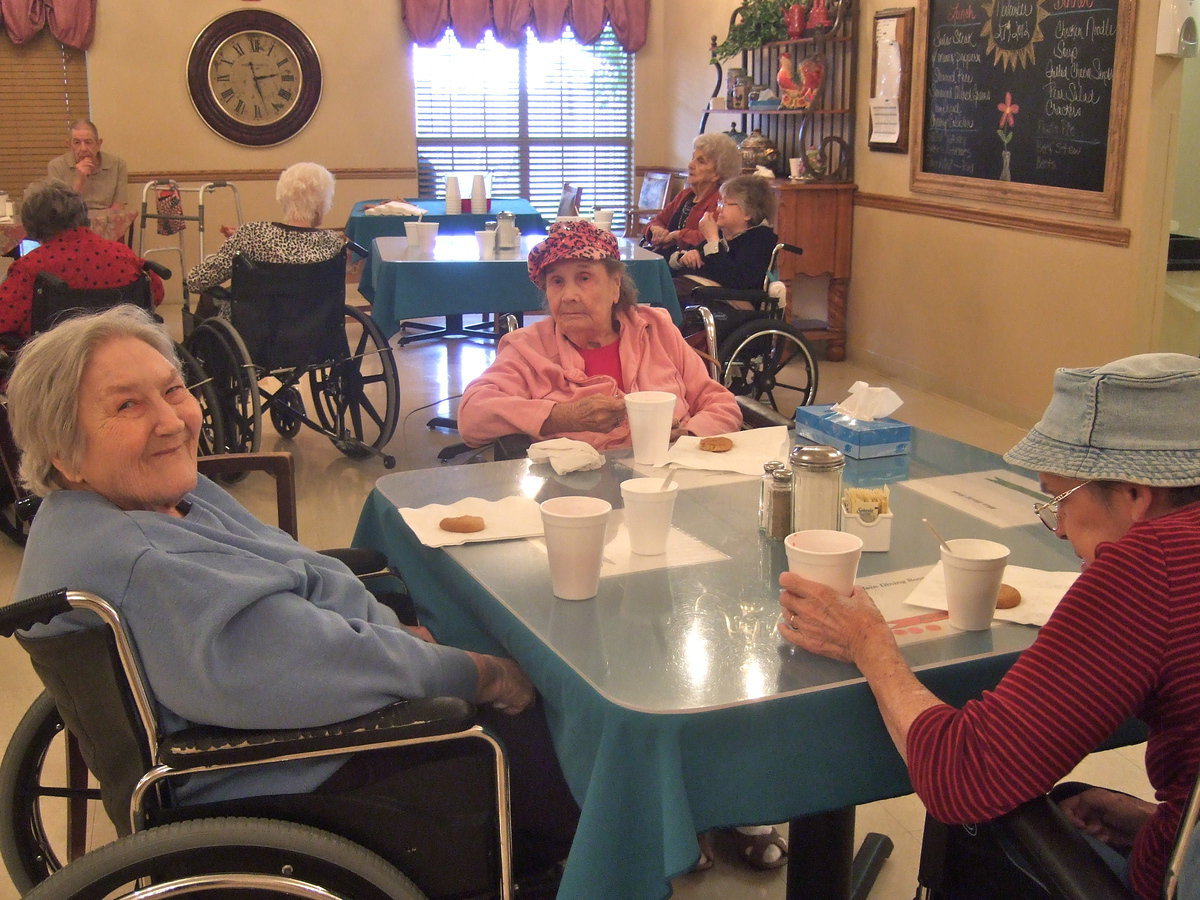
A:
[816,487]
[775,501]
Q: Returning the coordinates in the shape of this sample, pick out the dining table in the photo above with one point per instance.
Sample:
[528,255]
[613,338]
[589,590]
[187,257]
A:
[674,703]
[113,224]
[363,228]
[404,283]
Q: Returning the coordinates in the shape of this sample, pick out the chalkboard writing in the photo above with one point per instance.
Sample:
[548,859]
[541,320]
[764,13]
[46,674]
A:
[1021,91]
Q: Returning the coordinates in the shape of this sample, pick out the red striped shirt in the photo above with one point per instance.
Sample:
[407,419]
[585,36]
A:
[1124,641]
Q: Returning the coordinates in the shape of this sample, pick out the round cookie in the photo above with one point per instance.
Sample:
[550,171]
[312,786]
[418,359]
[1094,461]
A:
[462,524]
[716,444]
[1008,597]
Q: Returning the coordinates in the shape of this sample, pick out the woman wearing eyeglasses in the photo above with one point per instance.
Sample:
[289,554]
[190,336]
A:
[1118,450]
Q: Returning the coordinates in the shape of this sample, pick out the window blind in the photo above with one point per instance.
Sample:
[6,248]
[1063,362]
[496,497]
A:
[535,115]
[43,89]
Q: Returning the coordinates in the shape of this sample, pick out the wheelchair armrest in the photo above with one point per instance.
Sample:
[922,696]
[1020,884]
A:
[759,415]
[357,249]
[1060,854]
[512,446]
[157,268]
[709,293]
[407,719]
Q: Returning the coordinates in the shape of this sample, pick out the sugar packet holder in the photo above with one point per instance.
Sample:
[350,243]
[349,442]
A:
[866,513]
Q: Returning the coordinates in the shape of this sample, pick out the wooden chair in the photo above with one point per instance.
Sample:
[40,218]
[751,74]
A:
[652,198]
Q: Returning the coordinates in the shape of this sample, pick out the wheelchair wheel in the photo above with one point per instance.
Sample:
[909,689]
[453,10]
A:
[281,407]
[212,425]
[765,354]
[229,857]
[34,793]
[358,399]
[221,352]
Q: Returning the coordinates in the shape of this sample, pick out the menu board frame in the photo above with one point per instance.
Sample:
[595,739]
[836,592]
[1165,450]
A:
[1104,202]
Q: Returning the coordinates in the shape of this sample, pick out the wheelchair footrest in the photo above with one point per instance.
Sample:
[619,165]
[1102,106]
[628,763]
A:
[399,721]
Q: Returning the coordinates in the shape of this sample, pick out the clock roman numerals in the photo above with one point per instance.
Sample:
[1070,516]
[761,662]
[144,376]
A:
[254,77]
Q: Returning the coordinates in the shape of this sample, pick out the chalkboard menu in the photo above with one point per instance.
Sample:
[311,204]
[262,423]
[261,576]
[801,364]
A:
[1024,100]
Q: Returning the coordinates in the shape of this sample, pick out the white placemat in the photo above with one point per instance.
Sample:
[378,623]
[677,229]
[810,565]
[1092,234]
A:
[1040,593]
[512,517]
[394,208]
[682,550]
[750,450]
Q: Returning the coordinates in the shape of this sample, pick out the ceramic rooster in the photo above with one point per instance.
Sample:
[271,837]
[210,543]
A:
[798,91]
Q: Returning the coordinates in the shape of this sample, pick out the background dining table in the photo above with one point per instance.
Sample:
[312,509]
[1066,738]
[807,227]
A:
[362,228]
[674,704]
[403,283]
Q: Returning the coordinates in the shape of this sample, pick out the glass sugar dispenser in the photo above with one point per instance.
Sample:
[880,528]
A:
[816,487]
[775,501]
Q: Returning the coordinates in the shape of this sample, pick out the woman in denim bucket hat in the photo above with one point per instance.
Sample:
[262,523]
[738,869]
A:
[1118,450]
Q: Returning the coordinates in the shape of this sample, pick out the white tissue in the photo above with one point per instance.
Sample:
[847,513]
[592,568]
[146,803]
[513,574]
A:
[566,455]
[867,403]
[763,172]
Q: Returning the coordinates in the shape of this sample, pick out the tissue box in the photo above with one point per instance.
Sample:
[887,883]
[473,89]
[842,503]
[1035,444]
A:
[876,536]
[856,439]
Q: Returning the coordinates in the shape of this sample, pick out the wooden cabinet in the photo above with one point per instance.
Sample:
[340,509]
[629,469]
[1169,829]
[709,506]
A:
[818,217]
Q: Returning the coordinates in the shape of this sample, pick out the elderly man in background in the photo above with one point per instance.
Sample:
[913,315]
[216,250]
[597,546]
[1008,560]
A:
[100,178]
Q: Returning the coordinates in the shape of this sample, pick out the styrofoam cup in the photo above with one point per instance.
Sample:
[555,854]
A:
[795,166]
[575,544]
[650,416]
[648,511]
[830,557]
[602,219]
[974,569]
[487,244]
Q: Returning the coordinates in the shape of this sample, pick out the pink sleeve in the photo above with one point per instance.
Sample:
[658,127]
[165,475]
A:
[497,402]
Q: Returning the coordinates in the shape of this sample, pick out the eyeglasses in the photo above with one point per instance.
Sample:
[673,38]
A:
[1048,511]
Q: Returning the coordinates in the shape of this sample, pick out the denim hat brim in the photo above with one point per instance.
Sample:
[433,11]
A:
[1160,468]
[1132,420]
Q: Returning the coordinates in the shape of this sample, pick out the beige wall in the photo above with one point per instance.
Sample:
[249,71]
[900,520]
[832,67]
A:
[982,314]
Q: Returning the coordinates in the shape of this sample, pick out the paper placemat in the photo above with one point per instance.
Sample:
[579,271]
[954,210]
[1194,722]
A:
[512,517]
[1040,593]
[750,450]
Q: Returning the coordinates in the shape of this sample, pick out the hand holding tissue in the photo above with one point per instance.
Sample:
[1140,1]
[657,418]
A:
[860,426]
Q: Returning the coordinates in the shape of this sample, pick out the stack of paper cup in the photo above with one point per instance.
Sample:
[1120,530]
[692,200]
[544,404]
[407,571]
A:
[478,195]
[453,197]
[602,218]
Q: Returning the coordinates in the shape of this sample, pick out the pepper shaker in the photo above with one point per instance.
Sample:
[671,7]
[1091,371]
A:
[816,487]
[775,501]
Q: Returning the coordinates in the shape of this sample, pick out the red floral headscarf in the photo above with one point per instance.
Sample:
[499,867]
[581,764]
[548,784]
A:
[570,240]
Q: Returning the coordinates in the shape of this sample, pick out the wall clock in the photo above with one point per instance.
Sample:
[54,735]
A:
[254,77]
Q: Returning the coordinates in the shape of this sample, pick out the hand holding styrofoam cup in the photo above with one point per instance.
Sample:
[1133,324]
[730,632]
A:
[648,511]
[575,544]
[650,416]
[487,244]
[974,569]
[830,557]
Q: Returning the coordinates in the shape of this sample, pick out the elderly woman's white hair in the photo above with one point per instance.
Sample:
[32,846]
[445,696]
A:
[43,391]
[722,152]
[305,191]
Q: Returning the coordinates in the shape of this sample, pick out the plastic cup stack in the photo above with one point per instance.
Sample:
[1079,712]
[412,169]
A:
[453,197]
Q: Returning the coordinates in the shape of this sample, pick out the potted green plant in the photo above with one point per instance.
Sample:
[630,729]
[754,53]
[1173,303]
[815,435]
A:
[754,23]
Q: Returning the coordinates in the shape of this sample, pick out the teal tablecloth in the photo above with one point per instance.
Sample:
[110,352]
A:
[454,281]
[808,738]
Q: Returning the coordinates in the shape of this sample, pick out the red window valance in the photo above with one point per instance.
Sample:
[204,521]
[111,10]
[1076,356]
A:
[71,21]
[427,20]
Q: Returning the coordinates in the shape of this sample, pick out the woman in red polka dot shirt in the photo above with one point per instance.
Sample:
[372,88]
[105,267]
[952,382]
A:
[57,216]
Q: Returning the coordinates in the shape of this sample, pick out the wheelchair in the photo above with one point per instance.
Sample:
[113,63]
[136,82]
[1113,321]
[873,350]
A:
[288,322]
[273,843]
[755,351]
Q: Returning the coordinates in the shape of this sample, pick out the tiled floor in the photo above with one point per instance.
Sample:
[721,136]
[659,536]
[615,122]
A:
[332,489]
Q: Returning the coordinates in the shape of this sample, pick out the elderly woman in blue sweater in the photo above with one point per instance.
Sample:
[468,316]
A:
[236,624]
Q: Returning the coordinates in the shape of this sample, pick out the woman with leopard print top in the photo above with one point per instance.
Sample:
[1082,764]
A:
[305,191]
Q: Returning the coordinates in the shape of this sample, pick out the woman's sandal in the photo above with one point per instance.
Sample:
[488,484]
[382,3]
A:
[754,849]
[704,861]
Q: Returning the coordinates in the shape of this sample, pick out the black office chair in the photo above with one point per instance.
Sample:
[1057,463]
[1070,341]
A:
[263,843]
